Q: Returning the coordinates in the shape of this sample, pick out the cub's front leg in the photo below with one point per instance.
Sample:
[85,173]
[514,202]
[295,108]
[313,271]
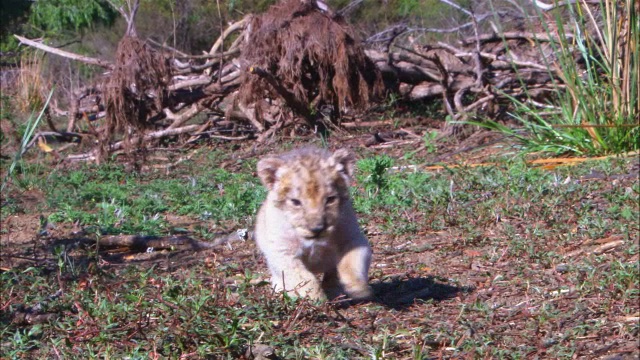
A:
[353,271]
[290,275]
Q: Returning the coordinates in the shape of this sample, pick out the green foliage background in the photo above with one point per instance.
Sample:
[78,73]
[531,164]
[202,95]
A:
[190,25]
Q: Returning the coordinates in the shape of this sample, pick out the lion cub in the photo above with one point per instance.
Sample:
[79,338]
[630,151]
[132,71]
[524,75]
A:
[307,225]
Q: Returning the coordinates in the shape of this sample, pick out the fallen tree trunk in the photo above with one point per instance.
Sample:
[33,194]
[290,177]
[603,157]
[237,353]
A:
[172,242]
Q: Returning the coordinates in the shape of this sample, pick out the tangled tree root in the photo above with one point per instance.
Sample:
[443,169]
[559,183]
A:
[134,92]
[313,54]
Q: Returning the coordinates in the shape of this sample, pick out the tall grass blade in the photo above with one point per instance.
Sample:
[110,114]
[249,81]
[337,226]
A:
[32,125]
[597,97]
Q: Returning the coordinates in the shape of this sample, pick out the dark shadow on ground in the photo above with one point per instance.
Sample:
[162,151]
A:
[401,293]
[141,250]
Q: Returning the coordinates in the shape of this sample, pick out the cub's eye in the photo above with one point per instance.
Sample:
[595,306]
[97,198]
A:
[295,202]
[331,199]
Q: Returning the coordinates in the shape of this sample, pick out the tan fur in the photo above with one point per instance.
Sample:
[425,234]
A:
[307,225]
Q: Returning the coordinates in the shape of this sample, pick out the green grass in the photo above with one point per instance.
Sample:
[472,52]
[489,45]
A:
[509,225]
[117,201]
[175,316]
[596,106]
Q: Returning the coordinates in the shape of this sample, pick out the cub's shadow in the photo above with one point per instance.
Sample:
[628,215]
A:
[400,293]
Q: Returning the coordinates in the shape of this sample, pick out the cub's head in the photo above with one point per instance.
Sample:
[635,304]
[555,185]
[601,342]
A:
[309,185]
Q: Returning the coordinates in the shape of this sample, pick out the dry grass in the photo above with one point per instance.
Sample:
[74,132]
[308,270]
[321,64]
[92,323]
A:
[31,86]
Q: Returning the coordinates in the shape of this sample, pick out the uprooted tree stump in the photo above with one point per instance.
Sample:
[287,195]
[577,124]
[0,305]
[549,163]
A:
[134,91]
[306,60]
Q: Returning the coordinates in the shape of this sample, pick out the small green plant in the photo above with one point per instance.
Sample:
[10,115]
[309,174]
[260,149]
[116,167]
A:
[64,261]
[374,172]
[429,141]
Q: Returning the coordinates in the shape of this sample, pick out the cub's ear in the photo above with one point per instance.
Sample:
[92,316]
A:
[345,162]
[267,169]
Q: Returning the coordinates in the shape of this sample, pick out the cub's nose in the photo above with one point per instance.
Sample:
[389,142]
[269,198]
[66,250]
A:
[317,229]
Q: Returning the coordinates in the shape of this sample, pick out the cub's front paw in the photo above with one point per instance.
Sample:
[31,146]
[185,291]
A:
[310,289]
[360,292]
[313,294]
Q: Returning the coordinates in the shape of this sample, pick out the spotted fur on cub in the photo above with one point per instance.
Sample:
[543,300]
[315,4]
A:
[307,225]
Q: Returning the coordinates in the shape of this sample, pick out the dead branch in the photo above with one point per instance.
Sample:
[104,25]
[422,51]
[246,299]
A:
[138,242]
[129,15]
[175,52]
[190,83]
[179,120]
[239,25]
[92,155]
[159,134]
[222,137]
[548,7]
[229,53]
[352,125]
[445,83]
[65,54]
[460,53]
[172,242]
[513,35]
